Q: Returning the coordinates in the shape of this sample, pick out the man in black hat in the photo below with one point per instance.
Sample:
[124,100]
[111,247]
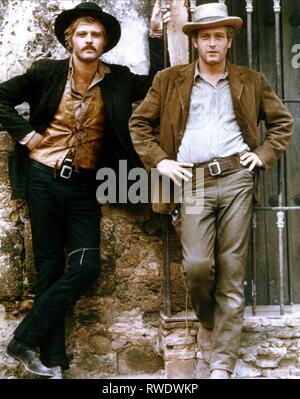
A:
[79,111]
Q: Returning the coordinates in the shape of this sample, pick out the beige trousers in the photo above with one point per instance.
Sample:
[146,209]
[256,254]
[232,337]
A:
[215,247]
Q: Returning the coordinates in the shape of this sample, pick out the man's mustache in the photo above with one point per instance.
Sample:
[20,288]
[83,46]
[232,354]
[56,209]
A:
[89,48]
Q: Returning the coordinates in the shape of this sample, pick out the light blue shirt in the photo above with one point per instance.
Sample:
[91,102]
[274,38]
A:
[212,130]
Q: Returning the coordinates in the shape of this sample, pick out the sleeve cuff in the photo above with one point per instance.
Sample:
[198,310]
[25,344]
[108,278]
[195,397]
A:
[26,138]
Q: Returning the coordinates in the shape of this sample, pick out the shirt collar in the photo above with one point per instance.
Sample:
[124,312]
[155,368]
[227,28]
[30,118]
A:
[197,74]
[102,70]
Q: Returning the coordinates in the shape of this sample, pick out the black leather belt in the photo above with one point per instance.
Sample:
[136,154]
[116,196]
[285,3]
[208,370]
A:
[221,166]
[67,172]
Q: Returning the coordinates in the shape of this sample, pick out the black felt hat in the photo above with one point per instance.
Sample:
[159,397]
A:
[89,9]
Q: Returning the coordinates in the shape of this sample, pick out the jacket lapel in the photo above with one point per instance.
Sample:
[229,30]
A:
[51,94]
[184,85]
[237,85]
[107,87]
[60,74]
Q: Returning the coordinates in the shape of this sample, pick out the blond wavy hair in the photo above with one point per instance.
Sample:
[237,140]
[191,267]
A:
[69,32]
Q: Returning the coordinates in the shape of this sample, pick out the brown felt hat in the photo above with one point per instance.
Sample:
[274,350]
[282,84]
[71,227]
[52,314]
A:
[211,15]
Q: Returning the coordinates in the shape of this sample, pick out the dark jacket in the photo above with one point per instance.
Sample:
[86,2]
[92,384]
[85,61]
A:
[42,87]
[169,99]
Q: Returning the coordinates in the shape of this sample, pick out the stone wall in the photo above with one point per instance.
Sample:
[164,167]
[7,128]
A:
[270,346]
[11,232]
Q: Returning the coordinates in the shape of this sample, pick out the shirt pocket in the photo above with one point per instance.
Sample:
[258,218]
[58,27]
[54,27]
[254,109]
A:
[197,108]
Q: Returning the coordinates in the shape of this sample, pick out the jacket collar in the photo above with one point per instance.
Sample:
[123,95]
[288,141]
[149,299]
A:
[185,79]
[184,84]
[237,80]
[58,82]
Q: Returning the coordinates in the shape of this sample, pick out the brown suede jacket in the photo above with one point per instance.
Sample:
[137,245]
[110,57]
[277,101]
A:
[167,103]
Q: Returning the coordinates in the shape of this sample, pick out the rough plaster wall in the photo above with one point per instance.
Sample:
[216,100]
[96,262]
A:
[27,33]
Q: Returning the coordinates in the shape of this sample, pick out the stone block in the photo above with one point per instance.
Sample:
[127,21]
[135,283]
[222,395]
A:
[179,333]
[4,169]
[282,373]
[139,359]
[88,363]
[180,369]
[178,337]
[118,344]
[244,370]
[267,363]
[278,322]
[274,353]
[265,322]
[249,357]
[295,371]
[293,323]
[177,325]
[11,271]
[276,343]
[296,333]
[99,344]
[251,323]
[283,333]
[291,358]
[179,354]
[293,348]
[177,341]
[6,143]
[165,332]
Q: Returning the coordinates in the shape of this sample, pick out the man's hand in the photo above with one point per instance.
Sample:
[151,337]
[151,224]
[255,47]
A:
[157,20]
[175,170]
[34,141]
[251,158]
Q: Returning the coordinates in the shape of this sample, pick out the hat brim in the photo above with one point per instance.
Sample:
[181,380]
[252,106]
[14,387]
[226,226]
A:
[110,23]
[235,22]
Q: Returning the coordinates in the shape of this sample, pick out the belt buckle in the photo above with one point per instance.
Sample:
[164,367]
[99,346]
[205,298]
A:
[214,168]
[66,170]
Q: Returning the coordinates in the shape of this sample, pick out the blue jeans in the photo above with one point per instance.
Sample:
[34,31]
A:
[64,216]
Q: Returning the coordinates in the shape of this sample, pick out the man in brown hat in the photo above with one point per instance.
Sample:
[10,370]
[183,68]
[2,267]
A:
[79,111]
[208,113]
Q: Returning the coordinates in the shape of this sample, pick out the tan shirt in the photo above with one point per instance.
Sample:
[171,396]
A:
[77,128]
